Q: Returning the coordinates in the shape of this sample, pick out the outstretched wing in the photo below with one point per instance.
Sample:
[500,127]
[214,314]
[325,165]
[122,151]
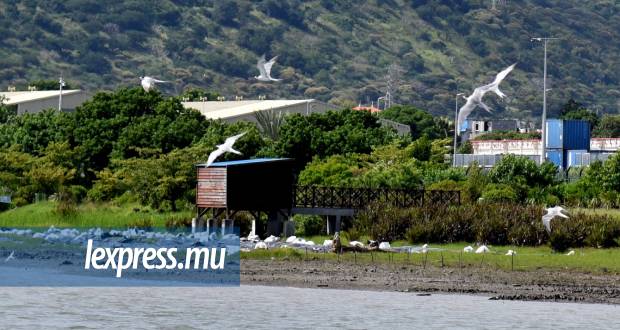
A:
[502,75]
[160,81]
[231,140]
[269,64]
[213,156]
[494,86]
[260,65]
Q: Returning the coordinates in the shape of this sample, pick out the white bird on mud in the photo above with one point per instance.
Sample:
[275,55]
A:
[227,146]
[272,239]
[356,244]
[571,252]
[511,253]
[385,246]
[260,246]
[253,237]
[10,257]
[148,83]
[291,239]
[424,248]
[553,212]
[483,249]
[475,99]
[468,249]
[264,68]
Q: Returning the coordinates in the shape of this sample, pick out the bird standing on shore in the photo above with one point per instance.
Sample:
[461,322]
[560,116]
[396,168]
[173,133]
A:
[475,99]
[553,212]
[227,146]
[148,83]
[264,68]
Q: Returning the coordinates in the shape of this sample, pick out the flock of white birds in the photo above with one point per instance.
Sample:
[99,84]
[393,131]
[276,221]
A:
[263,66]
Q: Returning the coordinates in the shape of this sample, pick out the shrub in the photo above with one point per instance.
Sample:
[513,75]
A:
[309,225]
[560,241]
[144,223]
[499,193]
[178,223]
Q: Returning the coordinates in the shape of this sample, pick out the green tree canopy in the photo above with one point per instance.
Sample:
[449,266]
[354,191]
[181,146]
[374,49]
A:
[421,122]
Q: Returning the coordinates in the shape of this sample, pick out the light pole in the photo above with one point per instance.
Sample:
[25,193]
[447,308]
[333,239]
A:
[543,135]
[62,84]
[456,126]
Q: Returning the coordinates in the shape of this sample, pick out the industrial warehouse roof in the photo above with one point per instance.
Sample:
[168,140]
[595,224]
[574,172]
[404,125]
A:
[11,98]
[228,109]
[244,162]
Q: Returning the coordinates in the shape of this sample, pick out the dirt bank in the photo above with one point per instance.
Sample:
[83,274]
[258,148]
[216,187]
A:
[497,284]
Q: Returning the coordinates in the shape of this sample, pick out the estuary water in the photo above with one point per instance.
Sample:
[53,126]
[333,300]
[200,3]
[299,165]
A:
[260,307]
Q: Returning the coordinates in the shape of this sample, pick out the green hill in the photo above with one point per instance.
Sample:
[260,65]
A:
[336,51]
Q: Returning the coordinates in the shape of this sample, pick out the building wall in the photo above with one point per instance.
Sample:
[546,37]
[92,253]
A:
[532,147]
[69,103]
[605,144]
[496,147]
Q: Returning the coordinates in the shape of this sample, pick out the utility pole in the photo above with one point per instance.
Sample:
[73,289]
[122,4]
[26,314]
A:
[456,125]
[543,136]
[62,84]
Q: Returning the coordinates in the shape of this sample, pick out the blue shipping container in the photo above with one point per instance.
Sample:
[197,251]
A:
[568,134]
[575,158]
[556,156]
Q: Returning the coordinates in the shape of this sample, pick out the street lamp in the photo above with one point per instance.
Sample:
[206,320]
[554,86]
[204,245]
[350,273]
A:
[62,84]
[543,135]
[456,125]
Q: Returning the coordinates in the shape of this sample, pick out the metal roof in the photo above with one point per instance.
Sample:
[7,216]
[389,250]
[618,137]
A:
[244,162]
[228,109]
[11,98]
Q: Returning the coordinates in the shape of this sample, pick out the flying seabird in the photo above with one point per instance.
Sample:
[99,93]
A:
[227,146]
[264,68]
[553,212]
[148,83]
[475,99]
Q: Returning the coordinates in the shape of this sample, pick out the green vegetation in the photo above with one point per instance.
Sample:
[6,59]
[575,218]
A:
[589,260]
[507,135]
[88,215]
[437,44]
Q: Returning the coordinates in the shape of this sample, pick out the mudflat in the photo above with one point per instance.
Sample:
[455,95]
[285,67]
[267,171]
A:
[531,285]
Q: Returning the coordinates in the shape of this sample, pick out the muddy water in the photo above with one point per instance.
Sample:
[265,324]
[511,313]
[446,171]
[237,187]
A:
[260,307]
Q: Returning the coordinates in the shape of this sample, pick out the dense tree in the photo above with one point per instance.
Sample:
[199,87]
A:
[331,133]
[575,110]
[421,122]
[609,126]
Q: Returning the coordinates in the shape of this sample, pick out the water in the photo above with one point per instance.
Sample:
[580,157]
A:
[256,307]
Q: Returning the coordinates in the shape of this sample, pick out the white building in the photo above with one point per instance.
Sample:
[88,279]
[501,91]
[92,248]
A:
[233,111]
[37,101]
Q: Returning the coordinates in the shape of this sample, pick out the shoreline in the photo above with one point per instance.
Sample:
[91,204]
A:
[539,285]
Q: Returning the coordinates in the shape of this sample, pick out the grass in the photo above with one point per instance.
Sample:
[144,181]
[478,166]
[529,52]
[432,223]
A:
[88,215]
[614,213]
[586,260]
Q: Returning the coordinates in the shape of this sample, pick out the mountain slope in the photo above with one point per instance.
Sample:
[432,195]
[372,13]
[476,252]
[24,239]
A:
[336,51]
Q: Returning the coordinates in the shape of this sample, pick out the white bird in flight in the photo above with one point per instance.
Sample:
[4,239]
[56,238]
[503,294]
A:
[264,68]
[475,99]
[148,83]
[227,146]
[10,257]
[553,212]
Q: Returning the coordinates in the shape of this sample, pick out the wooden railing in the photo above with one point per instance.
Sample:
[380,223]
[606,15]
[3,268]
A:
[360,198]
